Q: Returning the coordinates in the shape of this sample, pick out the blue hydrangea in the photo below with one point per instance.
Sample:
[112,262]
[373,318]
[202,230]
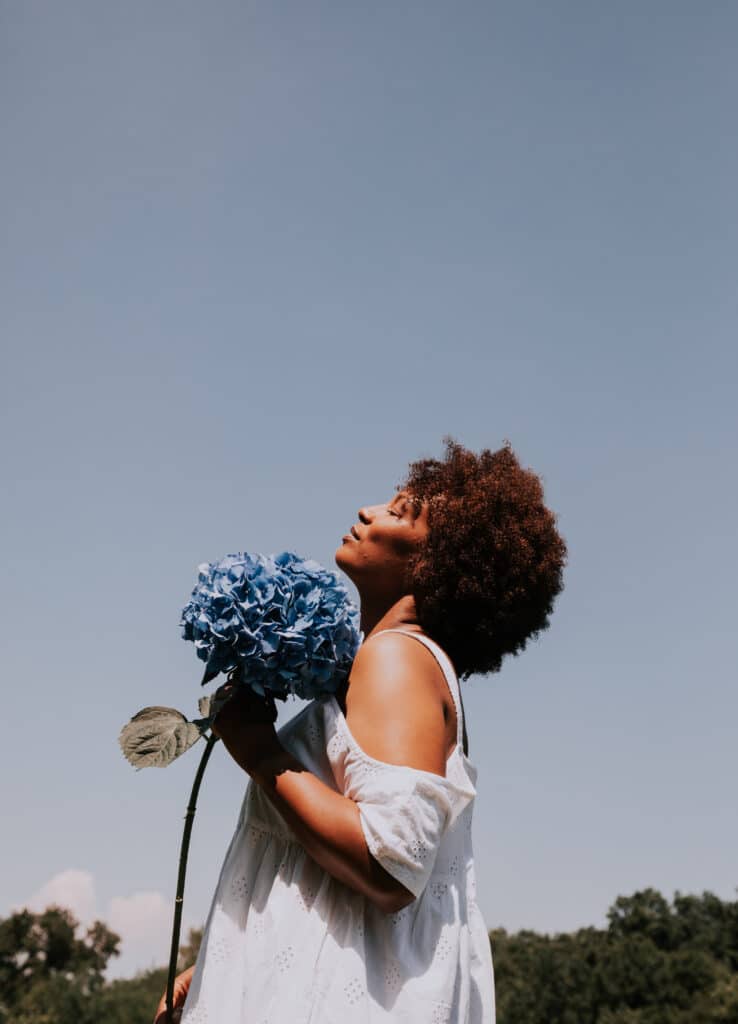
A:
[286,622]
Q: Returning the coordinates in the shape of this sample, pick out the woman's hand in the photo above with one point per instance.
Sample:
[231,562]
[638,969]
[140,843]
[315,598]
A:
[181,987]
[246,725]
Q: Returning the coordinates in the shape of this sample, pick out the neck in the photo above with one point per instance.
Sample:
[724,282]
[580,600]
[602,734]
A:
[375,615]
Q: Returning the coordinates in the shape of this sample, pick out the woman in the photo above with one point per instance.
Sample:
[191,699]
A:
[348,891]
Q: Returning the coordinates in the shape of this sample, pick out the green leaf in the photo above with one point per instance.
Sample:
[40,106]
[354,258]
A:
[156,736]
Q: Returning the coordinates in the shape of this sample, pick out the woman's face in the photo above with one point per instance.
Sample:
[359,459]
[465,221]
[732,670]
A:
[376,551]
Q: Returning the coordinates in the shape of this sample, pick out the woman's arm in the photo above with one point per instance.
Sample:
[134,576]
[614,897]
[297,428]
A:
[395,711]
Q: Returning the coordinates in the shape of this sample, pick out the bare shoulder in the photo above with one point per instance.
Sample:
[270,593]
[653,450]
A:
[394,704]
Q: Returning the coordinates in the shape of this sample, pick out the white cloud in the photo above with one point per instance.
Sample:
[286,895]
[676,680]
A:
[73,889]
[143,919]
[144,923]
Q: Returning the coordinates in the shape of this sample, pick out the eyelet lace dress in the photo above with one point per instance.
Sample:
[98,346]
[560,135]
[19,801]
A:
[286,943]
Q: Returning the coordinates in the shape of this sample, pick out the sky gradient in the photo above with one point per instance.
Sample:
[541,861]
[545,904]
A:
[255,259]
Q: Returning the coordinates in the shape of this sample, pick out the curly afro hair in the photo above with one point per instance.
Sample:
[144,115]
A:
[485,579]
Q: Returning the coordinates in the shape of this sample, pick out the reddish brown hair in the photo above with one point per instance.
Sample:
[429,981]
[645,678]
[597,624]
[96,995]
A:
[485,579]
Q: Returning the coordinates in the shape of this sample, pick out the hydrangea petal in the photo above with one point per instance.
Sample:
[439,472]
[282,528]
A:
[288,623]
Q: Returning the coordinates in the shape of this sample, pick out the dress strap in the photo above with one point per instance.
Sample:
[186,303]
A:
[446,667]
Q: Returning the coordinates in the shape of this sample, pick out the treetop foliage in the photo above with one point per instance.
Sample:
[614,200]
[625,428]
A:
[656,962]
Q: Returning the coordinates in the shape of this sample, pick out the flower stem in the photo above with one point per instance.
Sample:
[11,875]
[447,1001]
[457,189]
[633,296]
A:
[183,851]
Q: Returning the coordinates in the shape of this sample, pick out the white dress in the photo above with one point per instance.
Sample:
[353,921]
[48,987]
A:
[287,943]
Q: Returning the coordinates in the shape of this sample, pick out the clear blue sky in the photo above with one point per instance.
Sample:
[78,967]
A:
[257,257]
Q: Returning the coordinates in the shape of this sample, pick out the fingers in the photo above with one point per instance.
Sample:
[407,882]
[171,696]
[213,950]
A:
[242,699]
[224,694]
[181,988]
[161,1018]
[224,691]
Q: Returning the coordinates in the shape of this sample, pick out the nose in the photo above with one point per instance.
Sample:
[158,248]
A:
[365,514]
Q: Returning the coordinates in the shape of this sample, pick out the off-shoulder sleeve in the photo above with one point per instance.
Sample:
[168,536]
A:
[404,812]
[403,816]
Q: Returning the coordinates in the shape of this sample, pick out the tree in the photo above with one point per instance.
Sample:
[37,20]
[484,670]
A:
[189,950]
[656,963]
[132,1000]
[48,973]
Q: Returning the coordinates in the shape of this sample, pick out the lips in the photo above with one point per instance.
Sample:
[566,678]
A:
[354,533]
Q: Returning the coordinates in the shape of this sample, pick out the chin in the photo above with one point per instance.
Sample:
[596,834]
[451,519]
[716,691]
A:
[340,560]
